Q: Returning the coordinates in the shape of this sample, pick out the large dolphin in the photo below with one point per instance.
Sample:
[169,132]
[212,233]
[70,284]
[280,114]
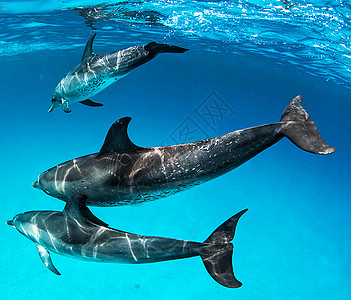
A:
[123,173]
[97,71]
[75,232]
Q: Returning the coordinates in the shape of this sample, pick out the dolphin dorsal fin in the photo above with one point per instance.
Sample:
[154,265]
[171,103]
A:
[72,207]
[117,140]
[88,51]
[46,259]
[76,209]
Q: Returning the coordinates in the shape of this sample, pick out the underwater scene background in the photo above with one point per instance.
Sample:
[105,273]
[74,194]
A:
[247,61]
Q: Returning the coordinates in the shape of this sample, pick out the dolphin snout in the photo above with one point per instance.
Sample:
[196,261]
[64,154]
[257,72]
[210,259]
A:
[52,107]
[35,184]
[54,104]
[10,223]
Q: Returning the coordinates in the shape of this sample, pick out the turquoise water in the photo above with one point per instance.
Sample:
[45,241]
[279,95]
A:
[250,57]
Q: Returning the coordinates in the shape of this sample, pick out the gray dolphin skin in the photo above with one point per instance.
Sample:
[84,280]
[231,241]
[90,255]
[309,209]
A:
[97,71]
[123,173]
[74,233]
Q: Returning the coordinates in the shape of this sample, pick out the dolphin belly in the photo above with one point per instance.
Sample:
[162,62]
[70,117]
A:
[80,87]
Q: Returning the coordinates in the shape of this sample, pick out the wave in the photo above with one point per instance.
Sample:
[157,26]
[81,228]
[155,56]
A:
[310,35]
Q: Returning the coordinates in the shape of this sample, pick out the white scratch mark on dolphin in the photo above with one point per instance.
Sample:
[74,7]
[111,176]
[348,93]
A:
[63,184]
[95,251]
[130,246]
[76,166]
[56,184]
[52,239]
[143,242]
[118,60]
[35,231]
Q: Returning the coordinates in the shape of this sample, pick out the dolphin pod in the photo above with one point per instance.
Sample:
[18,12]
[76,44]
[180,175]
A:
[97,71]
[123,173]
[71,234]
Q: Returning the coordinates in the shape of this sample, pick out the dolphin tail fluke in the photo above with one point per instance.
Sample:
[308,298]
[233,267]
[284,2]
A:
[217,253]
[301,130]
[155,48]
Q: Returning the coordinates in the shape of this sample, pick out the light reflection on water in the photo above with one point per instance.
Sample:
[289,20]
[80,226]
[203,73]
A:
[313,36]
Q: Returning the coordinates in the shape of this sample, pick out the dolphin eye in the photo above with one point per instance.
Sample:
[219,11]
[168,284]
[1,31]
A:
[56,100]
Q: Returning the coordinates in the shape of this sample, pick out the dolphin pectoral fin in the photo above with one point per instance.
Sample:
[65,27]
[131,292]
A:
[45,258]
[88,102]
[117,140]
[77,209]
[88,51]
[65,106]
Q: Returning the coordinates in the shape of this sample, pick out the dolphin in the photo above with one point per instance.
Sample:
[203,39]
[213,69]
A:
[97,71]
[123,173]
[75,234]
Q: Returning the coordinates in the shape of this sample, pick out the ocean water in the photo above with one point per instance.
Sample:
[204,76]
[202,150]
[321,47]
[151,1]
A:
[247,60]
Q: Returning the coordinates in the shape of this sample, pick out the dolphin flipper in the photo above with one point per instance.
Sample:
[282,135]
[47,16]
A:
[65,106]
[88,102]
[45,258]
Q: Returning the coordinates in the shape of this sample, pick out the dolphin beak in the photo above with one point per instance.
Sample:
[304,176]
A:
[10,223]
[52,107]
[35,184]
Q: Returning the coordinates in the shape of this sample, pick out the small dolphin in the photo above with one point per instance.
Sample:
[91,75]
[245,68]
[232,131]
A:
[97,71]
[123,173]
[75,232]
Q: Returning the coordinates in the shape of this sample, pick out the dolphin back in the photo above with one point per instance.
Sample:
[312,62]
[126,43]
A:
[217,253]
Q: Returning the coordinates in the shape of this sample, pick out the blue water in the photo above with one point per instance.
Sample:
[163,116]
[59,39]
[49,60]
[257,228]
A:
[251,58]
